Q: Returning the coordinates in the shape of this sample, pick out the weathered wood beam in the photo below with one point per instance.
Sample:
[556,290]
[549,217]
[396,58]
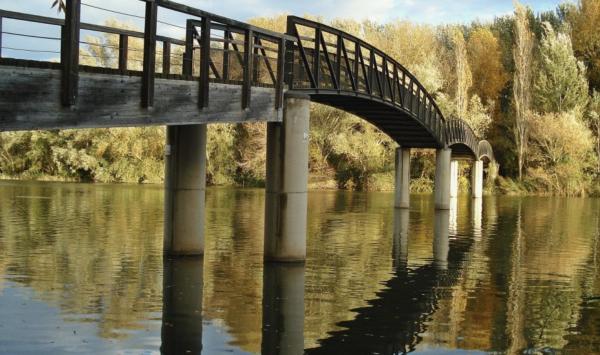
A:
[248,68]
[123,51]
[149,54]
[30,100]
[188,55]
[0,36]
[70,52]
[204,62]
[166,64]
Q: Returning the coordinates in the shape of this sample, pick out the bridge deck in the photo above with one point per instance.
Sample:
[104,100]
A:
[30,99]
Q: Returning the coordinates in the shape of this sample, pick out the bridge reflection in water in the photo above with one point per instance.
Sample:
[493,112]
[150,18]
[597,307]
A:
[528,265]
[230,71]
[391,323]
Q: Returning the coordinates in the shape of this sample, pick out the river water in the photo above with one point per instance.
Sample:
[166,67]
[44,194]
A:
[81,271]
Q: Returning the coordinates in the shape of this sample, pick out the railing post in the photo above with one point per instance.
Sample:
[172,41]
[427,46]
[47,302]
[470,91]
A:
[290,58]
[149,54]
[226,56]
[166,64]
[356,59]
[372,67]
[0,37]
[281,62]
[188,55]
[70,52]
[248,64]
[317,58]
[204,63]
[256,66]
[123,51]
[338,69]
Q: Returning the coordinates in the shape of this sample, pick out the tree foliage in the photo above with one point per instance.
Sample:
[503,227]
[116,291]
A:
[561,84]
[523,58]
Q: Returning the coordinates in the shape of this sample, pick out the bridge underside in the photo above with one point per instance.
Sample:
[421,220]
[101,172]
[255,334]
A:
[401,126]
[30,100]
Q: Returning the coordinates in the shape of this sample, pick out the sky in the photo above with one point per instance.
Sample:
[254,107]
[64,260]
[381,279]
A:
[430,11]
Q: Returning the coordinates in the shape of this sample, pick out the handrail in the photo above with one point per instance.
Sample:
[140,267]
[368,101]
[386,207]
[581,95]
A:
[84,26]
[384,78]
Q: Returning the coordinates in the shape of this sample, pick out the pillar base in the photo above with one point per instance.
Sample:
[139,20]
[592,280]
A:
[185,189]
[477,179]
[402,183]
[442,179]
[287,183]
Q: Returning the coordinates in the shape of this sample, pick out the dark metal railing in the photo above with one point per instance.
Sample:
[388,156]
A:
[327,60]
[459,132]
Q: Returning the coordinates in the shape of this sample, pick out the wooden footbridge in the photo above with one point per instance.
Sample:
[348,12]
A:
[228,71]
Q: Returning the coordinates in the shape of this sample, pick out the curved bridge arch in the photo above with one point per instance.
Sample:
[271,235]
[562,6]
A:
[340,70]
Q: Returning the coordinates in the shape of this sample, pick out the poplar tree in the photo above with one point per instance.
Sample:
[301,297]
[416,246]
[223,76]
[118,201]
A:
[523,59]
[561,84]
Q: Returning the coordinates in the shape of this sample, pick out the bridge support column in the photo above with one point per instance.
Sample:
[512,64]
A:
[454,179]
[185,187]
[283,309]
[477,179]
[442,179]
[287,183]
[402,188]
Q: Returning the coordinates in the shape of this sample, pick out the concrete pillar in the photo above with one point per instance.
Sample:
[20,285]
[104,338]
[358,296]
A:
[454,179]
[287,183]
[283,309]
[442,179]
[400,241]
[402,188]
[185,188]
[182,306]
[453,216]
[477,179]
[477,212]
[441,239]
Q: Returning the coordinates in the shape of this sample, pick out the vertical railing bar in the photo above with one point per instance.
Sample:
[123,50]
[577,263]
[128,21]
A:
[338,72]
[188,55]
[149,54]
[123,51]
[281,59]
[317,58]
[0,36]
[255,52]
[247,84]
[394,87]
[166,57]
[371,62]
[70,52]
[226,56]
[356,50]
[203,96]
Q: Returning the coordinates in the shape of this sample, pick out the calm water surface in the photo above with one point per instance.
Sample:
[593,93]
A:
[81,271]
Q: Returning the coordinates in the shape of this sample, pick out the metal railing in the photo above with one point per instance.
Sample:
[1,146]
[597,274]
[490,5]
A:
[327,60]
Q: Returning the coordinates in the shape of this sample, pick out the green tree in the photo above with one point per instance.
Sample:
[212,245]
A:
[523,58]
[585,21]
[561,84]
[593,119]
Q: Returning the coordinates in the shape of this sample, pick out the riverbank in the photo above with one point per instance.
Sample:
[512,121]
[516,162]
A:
[383,182]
